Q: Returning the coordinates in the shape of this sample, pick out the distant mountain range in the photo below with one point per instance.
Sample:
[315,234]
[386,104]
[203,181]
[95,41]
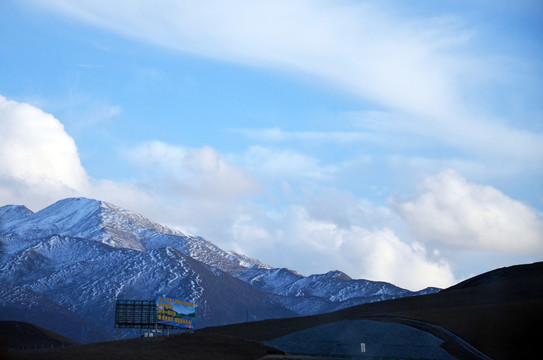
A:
[64,267]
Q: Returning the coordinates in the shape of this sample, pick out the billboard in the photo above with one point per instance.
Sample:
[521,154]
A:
[174,311]
[139,314]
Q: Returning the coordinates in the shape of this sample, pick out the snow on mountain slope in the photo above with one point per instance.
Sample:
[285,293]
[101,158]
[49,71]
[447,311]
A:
[89,219]
[200,249]
[334,286]
[45,256]
[91,287]
[12,213]
[113,226]
[276,281]
[246,261]
[337,286]
[86,277]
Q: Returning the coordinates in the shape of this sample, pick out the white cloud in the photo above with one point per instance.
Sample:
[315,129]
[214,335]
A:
[200,173]
[39,162]
[285,164]
[344,210]
[279,135]
[105,113]
[317,246]
[448,209]
[382,255]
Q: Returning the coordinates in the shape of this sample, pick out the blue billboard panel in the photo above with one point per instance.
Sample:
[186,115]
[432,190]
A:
[175,311]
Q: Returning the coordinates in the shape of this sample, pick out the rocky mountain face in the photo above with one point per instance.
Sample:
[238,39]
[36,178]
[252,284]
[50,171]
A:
[68,264]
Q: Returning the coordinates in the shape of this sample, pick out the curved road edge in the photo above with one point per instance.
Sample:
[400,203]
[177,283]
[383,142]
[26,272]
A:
[453,344]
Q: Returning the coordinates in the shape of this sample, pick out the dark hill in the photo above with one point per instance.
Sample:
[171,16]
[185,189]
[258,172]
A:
[186,346]
[509,283]
[22,304]
[18,335]
[500,313]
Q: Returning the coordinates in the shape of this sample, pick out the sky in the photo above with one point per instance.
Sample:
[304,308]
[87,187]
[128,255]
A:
[394,141]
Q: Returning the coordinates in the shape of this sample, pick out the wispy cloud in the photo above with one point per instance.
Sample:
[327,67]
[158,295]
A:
[285,164]
[201,173]
[89,66]
[415,65]
[279,135]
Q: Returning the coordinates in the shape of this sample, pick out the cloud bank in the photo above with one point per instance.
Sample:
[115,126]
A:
[39,162]
[296,237]
[448,209]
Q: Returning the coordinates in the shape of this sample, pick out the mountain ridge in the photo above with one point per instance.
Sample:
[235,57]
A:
[83,254]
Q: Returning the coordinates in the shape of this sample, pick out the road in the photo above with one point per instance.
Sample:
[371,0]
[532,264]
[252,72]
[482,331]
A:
[457,345]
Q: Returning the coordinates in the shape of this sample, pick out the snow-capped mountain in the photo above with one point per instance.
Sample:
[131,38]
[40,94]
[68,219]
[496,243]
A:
[111,225]
[334,286]
[83,254]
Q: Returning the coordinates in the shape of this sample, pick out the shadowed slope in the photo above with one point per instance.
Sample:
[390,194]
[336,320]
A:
[18,334]
[499,312]
[186,346]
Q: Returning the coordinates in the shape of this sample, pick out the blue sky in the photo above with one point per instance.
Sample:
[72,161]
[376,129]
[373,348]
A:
[369,137]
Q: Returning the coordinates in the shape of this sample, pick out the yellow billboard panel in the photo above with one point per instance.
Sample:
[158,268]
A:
[175,311]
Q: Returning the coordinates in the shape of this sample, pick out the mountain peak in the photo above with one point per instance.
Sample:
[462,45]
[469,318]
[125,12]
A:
[70,209]
[118,228]
[336,274]
[86,218]
[10,213]
[247,261]
[12,209]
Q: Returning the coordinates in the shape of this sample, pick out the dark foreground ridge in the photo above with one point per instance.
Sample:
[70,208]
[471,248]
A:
[19,335]
[497,315]
[500,313]
[196,346]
